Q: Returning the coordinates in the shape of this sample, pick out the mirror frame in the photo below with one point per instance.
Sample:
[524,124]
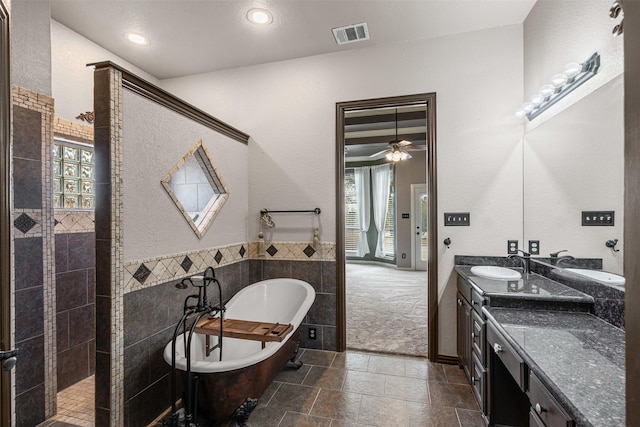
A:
[211,210]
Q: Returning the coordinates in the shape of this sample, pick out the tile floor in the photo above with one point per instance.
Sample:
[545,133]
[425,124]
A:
[366,389]
[75,406]
[332,389]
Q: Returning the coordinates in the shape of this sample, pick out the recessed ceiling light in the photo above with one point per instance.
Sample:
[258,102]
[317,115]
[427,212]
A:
[260,16]
[136,38]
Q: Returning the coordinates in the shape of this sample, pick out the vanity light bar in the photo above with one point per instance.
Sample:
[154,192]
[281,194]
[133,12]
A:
[560,86]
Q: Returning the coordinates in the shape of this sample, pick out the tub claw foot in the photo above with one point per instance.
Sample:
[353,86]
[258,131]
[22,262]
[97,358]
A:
[241,415]
[294,361]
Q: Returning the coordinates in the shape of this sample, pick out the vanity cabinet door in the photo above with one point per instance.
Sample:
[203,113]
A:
[463,317]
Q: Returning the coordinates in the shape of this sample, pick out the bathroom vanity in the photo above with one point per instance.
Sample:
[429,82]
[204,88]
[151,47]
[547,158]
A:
[535,355]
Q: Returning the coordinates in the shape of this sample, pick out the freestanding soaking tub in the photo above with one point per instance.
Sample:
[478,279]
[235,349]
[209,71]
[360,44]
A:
[230,387]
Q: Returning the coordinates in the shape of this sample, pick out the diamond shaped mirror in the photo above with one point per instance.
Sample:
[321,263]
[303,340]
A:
[196,188]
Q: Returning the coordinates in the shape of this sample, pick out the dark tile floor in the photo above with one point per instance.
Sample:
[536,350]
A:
[367,389]
[363,389]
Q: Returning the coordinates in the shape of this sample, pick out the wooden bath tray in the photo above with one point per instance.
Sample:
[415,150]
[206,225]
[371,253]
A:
[243,329]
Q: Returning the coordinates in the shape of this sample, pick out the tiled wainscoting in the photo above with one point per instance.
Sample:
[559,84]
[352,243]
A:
[150,315]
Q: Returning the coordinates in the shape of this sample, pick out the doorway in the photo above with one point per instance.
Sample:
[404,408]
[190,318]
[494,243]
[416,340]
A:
[392,105]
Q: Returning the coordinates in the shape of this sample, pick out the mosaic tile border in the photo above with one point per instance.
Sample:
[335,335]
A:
[117,251]
[146,273]
[39,223]
[68,221]
[293,251]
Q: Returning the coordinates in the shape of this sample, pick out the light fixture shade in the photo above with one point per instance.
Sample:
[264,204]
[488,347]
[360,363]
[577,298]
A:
[558,80]
[547,90]
[573,69]
[537,99]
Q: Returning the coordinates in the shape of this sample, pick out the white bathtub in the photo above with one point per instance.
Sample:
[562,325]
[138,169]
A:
[246,369]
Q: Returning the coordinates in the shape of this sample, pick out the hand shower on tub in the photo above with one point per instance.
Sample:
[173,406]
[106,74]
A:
[194,312]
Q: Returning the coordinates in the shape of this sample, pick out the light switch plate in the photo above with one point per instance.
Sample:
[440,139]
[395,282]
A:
[460,219]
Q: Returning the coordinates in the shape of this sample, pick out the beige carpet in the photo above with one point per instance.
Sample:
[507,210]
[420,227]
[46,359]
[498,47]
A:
[386,309]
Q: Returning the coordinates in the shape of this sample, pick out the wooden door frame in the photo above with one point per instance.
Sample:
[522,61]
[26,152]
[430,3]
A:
[432,263]
[5,212]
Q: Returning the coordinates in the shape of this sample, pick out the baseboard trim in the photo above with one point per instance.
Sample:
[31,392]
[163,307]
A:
[447,360]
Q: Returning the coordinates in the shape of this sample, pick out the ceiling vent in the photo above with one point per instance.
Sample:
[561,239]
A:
[351,33]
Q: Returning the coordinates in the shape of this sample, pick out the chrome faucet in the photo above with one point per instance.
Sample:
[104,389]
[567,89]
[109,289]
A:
[562,259]
[525,259]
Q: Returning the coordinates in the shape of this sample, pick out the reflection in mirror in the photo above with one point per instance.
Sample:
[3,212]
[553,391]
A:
[197,188]
[574,162]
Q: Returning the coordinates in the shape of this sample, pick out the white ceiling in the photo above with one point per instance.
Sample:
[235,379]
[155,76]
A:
[197,36]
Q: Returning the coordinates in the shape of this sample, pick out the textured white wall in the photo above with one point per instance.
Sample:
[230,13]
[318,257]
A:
[71,80]
[289,110]
[155,138]
[31,45]
[574,152]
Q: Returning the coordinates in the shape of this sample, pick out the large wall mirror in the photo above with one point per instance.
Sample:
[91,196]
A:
[574,162]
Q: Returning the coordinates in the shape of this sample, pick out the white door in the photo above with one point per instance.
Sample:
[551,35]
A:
[419,215]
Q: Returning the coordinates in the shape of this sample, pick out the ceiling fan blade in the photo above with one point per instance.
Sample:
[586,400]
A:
[379,153]
[403,143]
[417,148]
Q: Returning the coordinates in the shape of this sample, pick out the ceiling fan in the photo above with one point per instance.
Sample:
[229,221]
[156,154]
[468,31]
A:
[397,149]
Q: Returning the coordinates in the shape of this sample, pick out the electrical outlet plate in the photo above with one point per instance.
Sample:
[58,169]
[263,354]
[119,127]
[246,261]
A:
[460,219]
[512,247]
[534,247]
[598,218]
[312,333]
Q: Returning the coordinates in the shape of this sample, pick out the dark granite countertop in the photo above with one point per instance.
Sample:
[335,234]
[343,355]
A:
[579,358]
[531,286]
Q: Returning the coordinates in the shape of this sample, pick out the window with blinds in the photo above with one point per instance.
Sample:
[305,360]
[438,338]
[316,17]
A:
[352,221]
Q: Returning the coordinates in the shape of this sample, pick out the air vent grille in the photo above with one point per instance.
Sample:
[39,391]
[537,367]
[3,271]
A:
[351,33]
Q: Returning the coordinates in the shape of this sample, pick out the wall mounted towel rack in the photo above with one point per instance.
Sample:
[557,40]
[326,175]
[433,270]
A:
[267,211]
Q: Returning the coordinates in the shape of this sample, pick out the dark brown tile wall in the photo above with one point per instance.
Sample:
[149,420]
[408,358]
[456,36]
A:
[322,315]
[28,265]
[75,307]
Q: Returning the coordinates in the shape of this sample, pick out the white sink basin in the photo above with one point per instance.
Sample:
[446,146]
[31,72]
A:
[492,272]
[601,276]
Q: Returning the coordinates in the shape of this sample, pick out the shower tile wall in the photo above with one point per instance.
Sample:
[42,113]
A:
[75,295]
[34,269]
[75,279]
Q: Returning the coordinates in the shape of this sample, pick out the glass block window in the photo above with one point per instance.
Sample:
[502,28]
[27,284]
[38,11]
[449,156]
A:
[73,175]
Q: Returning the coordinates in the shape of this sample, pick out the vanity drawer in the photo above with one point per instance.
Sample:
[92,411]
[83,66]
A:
[477,301]
[545,406]
[534,419]
[477,336]
[479,382]
[503,350]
